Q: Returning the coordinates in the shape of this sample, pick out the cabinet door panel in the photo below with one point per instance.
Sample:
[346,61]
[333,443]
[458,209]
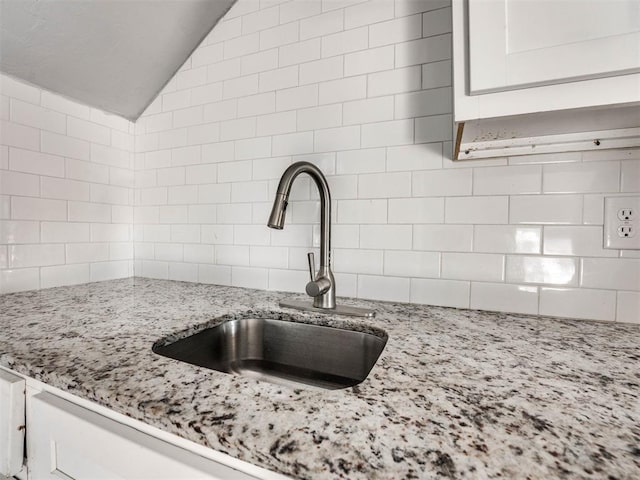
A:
[521,43]
[70,442]
[12,421]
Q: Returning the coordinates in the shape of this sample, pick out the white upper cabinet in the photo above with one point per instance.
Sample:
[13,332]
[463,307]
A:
[523,56]
[533,42]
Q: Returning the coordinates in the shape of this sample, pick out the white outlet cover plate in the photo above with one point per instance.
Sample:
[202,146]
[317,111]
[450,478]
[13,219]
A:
[613,223]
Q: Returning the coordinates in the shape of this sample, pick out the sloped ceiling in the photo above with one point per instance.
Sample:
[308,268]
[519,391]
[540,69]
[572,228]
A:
[115,55]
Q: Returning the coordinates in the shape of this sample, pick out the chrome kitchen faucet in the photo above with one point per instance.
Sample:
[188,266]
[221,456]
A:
[322,285]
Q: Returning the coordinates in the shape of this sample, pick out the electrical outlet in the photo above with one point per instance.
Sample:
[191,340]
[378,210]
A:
[626,231]
[626,214]
[622,222]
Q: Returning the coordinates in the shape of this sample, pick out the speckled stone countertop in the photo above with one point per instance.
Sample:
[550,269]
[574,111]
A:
[455,394]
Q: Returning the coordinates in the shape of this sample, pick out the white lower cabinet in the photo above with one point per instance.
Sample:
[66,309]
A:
[71,438]
[12,423]
[70,442]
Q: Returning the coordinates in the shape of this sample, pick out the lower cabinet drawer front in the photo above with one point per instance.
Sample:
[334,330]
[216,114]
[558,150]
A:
[70,442]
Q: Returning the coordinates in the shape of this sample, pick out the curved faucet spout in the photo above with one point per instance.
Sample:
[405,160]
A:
[322,285]
[276,219]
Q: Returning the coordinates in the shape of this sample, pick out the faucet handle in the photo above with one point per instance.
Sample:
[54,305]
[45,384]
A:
[312,265]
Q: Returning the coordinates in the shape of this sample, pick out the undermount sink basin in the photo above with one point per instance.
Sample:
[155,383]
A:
[281,351]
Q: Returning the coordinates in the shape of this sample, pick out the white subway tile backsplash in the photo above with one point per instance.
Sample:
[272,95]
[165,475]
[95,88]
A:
[18,279]
[238,129]
[292,144]
[396,132]
[358,261]
[64,275]
[436,128]
[18,231]
[243,45]
[250,277]
[578,303]
[321,25]
[592,177]
[216,274]
[268,257]
[396,31]
[291,11]
[443,238]
[384,185]
[389,82]
[477,210]
[507,239]
[28,208]
[260,104]
[428,102]
[580,241]
[364,160]
[425,50]
[446,293]
[543,270]
[611,273]
[64,232]
[216,234]
[484,267]
[277,36]
[362,211]
[368,13]
[436,183]
[436,22]
[388,237]
[87,252]
[34,116]
[436,74]
[412,264]
[345,42]
[546,209]
[259,62]
[21,256]
[276,123]
[256,96]
[110,232]
[416,210]
[343,90]
[392,289]
[15,135]
[628,307]
[321,70]
[504,297]
[368,61]
[630,176]
[297,53]
[341,138]
[297,97]
[292,236]
[278,79]
[16,183]
[507,180]
[260,20]
[368,110]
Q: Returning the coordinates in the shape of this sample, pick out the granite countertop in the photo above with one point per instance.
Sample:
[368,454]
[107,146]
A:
[455,394]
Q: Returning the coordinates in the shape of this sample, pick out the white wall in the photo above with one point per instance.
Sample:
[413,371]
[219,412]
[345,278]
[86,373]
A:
[66,191]
[362,89]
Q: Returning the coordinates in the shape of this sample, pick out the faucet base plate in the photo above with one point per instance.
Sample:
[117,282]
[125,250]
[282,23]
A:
[339,310]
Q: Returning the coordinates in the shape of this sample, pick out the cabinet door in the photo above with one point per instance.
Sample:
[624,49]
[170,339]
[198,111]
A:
[70,442]
[521,43]
[12,423]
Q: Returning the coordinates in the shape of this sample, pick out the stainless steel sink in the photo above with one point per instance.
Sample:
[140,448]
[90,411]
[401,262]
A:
[281,351]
